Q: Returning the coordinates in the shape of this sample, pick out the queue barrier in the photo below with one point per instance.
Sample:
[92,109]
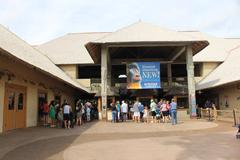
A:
[231,115]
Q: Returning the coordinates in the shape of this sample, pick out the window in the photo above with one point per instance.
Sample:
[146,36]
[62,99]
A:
[11,101]
[198,69]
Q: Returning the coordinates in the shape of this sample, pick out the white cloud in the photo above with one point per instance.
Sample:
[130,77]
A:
[38,21]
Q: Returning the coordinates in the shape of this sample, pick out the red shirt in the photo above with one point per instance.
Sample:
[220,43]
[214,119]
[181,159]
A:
[45,108]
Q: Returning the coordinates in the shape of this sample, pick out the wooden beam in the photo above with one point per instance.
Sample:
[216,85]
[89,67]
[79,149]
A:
[176,53]
[148,44]
[162,61]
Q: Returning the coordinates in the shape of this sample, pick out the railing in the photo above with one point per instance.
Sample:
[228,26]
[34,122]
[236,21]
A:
[224,115]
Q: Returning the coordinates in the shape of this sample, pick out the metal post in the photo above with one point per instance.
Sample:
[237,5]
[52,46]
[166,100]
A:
[234,118]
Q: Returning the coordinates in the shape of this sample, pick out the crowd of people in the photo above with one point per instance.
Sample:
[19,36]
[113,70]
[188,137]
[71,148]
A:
[65,116]
[163,111]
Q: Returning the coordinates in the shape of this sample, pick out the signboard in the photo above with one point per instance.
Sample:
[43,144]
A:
[143,75]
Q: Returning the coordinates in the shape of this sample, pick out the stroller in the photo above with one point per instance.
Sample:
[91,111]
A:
[238,132]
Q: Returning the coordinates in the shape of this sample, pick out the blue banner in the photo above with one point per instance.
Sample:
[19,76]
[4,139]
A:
[143,75]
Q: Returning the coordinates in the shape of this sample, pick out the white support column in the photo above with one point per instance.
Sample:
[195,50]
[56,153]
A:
[169,74]
[191,81]
[104,81]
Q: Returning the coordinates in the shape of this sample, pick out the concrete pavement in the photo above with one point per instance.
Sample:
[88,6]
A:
[190,140]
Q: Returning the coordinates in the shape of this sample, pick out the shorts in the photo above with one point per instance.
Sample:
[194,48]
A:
[79,114]
[45,113]
[136,114]
[165,113]
[66,117]
[153,113]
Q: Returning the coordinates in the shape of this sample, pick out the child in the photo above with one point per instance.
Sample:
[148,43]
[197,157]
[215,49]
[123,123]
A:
[158,114]
[60,118]
[145,114]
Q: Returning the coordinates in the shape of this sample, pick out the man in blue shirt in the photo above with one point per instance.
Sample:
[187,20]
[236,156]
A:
[141,109]
[173,110]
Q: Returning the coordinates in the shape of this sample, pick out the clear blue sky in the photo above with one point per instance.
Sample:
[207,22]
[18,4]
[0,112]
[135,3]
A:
[38,21]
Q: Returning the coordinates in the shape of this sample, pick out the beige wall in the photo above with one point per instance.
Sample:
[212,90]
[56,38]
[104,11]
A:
[32,105]
[230,93]
[85,82]
[70,69]
[2,86]
[34,81]
[207,67]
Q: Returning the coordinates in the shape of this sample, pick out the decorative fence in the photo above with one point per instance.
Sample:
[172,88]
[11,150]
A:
[232,115]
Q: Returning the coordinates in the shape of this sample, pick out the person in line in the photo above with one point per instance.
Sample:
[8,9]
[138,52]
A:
[164,111]
[160,103]
[78,113]
[88,113]
[158,115]
[141,110]
[60,118]
[88,107]
[169,110]
[45,113]
[118,111]
[71,118]
[145,114]
[83,113]
[173,106]
[114,112]
[136,112]
[52,113]
[153,107]
[124,109]
[66,114]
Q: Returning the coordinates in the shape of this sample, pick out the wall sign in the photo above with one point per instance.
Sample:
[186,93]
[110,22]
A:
[143,75]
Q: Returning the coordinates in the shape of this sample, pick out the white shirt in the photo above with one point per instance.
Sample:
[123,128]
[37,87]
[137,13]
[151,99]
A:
[66,109]
[124,107]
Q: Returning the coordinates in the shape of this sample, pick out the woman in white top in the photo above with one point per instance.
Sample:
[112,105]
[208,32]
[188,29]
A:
[66,115]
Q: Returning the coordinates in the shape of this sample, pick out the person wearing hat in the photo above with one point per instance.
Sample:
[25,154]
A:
[153,107]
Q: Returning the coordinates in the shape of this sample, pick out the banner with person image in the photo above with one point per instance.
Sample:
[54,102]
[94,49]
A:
[143,75]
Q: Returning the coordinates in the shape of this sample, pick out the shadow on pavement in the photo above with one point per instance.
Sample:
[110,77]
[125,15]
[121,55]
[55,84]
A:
[43,148]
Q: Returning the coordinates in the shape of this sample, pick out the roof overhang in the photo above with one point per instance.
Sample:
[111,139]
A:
[94,48]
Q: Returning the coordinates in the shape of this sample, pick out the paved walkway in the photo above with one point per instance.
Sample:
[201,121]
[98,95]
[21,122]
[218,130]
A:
[190,140]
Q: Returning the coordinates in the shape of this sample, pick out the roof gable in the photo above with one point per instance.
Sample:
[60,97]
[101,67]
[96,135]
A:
[70,48]
[145,32]
[227,72]
[18,48]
